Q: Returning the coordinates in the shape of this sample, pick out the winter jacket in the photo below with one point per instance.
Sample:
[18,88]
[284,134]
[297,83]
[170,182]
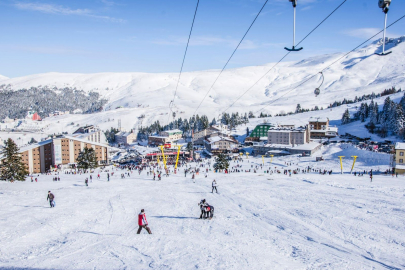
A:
[50,197]
[142,219]
[209,208]
[202,205]
[214,184]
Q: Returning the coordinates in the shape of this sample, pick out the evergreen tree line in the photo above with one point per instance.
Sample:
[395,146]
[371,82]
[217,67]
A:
[372,96]
[389,121]
[15,104]
[194,123]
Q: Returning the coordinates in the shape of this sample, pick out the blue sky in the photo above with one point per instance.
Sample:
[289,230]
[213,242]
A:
[150,35]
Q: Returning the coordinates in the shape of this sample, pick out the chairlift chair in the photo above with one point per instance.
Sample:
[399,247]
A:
[293,49]
[318,89]
[384,5]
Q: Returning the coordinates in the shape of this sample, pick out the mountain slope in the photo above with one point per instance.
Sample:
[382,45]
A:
[359,73]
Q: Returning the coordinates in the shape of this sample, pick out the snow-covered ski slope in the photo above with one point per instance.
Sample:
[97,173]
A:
[262,221]
[361,72]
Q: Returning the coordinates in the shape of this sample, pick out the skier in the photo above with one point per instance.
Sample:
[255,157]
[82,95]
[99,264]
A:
[214,186]
[108,177]
[142,222]
[202,208]
[86,181]
[51,197]
[371,176]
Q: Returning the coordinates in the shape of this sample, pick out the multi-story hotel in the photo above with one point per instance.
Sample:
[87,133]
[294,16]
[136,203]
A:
[63,150]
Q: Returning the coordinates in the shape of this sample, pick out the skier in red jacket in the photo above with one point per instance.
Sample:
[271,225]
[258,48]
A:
[142,222]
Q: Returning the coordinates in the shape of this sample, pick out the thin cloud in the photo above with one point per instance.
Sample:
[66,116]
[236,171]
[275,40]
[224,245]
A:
[213,41]
[55,9]
[364,32]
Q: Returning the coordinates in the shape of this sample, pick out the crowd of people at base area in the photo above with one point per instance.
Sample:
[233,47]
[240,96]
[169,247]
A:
[207,210]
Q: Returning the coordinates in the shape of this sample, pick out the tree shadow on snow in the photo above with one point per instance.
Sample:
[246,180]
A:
[175,217]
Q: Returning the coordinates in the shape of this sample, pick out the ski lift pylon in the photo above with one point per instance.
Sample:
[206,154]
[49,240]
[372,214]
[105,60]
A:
[318,89]
[293,49]
[384,5]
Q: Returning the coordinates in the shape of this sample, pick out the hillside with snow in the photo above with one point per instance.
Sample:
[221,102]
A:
[361,72]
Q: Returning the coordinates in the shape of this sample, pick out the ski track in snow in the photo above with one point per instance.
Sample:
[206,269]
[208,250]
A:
[306,221]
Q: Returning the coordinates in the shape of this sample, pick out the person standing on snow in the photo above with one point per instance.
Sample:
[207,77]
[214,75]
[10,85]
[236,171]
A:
[202,208]
[214,186]
[142,222]
[50,198]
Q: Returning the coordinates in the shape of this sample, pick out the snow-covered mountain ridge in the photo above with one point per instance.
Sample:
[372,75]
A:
[361,72]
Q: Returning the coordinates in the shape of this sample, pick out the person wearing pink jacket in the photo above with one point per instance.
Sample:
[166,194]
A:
[142,222]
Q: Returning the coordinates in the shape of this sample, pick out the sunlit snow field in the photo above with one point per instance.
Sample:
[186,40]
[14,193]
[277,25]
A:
[262,221]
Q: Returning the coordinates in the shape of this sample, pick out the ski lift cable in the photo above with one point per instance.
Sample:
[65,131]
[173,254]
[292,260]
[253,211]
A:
[316,27]
[184,58]
[323,70]
[231,56]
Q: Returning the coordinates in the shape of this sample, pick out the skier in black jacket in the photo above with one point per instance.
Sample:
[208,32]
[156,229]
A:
[51,197]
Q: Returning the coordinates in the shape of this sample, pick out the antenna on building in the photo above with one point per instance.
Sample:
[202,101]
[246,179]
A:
[119,124]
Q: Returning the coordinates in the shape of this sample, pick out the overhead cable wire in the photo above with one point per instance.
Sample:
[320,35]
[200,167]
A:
[313,30]
[231,56]
[334,62]
[184,57]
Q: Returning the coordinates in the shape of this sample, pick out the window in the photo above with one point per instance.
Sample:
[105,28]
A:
[401,154]
[401,161]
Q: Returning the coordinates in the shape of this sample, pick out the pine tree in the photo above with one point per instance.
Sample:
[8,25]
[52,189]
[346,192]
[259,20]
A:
[298,109]
[87,159]
[12,167]
[346,117]
[398,119]
[374,113]
[221,163]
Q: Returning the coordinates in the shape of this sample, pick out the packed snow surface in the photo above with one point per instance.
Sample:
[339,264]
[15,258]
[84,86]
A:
[262,220]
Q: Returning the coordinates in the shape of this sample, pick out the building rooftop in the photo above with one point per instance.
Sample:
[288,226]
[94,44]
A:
[123,134]
[172,130]
[217,139]
[279,129]
[318,119]
[34,145]
[400,146]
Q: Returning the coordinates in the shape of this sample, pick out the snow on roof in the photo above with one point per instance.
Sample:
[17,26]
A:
[318,119]
[217,139]
[401,167]
[278,152]
[399,146]
[123,134]
[275,130]
[34,145]
[82,140]
[307,146]
[173,130]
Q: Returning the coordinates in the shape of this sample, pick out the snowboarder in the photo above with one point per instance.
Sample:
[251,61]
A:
[142,222]
[51,198]
[214,186]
